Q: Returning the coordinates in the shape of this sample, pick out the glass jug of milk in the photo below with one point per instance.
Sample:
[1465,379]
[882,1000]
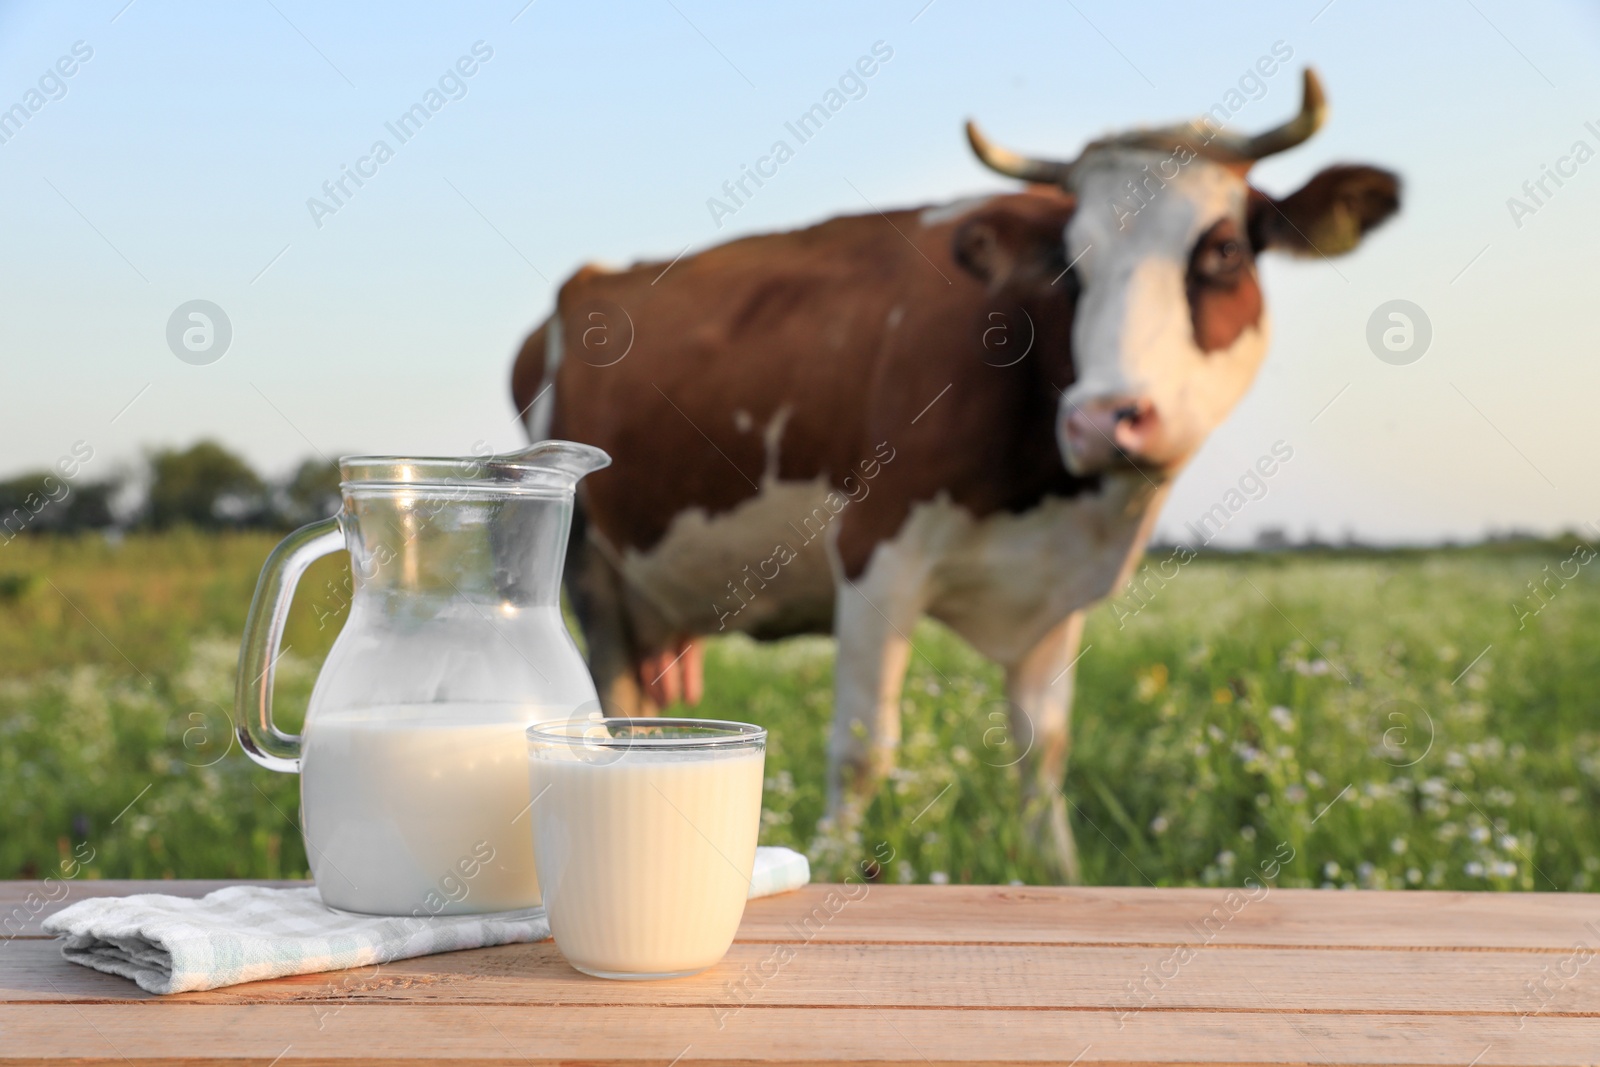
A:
[414,793]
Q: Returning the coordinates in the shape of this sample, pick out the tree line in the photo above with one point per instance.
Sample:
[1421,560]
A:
[204,485]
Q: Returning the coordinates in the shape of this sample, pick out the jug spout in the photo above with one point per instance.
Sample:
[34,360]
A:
[564,457]
[544,466]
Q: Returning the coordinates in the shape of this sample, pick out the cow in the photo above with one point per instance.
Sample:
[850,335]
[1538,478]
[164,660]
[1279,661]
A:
[971,411]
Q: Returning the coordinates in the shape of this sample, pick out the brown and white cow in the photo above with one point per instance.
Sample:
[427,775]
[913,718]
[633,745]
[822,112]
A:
[971,411]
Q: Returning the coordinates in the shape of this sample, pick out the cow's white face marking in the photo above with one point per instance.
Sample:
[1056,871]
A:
[1133,335]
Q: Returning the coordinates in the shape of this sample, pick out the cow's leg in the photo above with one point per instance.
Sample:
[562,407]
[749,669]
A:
[675,673]
[597,599]
[872,617]
[1039,690]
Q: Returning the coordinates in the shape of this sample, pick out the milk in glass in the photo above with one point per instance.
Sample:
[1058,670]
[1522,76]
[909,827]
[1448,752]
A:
[645,854]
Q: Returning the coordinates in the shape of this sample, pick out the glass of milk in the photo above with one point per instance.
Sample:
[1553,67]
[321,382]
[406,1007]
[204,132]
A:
[644,835]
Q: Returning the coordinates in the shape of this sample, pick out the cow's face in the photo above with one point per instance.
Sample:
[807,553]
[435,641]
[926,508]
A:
[1168,324]
[1169,327]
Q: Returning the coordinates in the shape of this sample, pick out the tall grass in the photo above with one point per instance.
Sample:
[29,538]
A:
[1382,715]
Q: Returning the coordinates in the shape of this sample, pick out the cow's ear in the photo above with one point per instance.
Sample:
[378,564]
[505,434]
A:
[1328,215]
[1013,244]
[979,251]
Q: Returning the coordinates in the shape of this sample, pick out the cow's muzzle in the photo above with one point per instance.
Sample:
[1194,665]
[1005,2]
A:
[1114,432]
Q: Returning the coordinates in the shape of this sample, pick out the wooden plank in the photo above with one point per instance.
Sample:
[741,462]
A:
[113,1034]
[1547,922]
[755,974]
[1125,915]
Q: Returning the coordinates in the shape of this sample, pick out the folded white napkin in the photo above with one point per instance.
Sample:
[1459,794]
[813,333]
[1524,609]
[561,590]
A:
[247,933]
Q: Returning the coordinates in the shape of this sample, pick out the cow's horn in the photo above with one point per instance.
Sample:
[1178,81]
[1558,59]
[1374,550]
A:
[1313,112]
[1013,165]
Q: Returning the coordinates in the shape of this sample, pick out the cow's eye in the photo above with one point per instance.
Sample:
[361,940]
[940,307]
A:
[1220,260]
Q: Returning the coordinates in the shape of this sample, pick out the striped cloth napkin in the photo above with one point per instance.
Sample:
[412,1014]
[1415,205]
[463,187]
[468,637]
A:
[247,933]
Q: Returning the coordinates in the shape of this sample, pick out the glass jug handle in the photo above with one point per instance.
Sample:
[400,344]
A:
[263,633]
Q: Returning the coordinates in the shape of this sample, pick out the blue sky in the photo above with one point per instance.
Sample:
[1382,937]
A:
[178,163]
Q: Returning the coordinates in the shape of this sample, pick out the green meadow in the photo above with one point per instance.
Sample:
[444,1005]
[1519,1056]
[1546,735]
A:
[1391,719]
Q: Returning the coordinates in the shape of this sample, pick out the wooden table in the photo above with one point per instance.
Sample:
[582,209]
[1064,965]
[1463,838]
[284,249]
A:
[913,974]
